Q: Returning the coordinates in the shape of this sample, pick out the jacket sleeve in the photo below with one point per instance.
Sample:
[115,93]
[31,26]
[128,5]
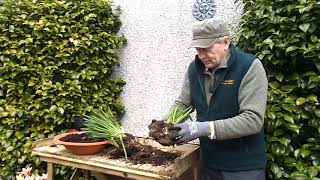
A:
[252,104]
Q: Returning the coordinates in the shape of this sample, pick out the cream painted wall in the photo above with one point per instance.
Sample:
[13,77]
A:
[156,57]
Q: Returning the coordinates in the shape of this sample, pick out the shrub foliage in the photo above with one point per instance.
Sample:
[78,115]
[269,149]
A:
[56,61]
[285,35]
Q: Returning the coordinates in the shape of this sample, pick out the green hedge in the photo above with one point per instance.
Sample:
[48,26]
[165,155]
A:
[285,35]
[56,61]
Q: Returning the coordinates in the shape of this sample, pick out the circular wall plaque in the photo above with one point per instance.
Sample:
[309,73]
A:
[203,9]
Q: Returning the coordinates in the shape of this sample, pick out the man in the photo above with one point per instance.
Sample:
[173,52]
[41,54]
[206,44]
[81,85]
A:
[228,90]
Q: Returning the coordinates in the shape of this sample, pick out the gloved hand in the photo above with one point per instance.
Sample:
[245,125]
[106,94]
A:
[191,130]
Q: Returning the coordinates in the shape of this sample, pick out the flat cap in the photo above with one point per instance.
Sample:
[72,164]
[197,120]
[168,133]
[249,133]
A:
[205,32]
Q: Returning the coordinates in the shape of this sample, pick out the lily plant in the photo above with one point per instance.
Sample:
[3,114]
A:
[26,174]
[179,113]
[104,125]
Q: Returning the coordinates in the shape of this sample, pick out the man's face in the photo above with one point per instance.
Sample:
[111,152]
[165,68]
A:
[213,56]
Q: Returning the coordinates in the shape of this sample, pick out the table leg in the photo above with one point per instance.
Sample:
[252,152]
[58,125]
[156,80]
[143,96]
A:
[195,173]
[86,174]
[50,171]
[195,170]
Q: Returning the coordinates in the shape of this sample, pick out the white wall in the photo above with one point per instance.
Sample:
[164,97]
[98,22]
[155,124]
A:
[156,57]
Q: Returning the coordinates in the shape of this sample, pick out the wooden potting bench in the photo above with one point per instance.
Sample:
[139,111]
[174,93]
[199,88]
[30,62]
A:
[101,163]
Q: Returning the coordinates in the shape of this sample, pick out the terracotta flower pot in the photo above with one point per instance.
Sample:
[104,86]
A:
[80,148]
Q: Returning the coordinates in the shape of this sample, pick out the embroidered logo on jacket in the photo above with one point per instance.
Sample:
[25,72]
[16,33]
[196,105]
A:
[228,81]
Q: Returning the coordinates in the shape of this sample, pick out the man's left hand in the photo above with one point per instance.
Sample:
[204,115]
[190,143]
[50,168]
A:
[191,130]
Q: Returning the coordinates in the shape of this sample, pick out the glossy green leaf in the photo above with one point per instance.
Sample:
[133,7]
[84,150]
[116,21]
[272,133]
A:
[290,161]
[293,128]
[300,165]
[304,27]
[312,171]
[317,113]
[274,85]
[309,73]
[278,132]
[300,101]
[304,152]
[278,149]
[279,76]
[298,176]
[9,133]
[284,141]
[269,42]
[317,65]
[271,115]
[10,148]
[53,108]
[60,110]
[291,48]
[312,98]
[305,115]
[289,118]
[274,168]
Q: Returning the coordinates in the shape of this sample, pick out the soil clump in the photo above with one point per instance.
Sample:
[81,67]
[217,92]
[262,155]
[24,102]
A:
[163,132]
[79,138]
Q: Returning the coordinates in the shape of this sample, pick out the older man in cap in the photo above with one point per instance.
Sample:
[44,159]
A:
[228,89]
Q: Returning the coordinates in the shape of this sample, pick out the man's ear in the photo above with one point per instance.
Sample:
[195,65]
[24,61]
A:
[226,42]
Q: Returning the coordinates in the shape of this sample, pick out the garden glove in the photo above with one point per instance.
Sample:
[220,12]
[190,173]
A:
[191,130]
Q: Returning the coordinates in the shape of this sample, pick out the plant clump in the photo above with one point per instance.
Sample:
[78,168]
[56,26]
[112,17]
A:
[163,131]
[104,125]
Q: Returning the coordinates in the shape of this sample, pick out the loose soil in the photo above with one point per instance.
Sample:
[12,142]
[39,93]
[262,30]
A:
[162,132]
[141,154]
[78,138]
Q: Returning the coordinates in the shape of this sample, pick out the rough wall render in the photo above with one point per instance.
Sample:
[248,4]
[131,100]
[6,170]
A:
[157,55]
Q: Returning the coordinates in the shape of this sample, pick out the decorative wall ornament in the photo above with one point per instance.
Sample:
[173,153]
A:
[203,9]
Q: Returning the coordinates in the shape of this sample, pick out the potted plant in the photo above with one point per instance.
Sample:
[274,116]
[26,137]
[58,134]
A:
[101,128]
[159,129]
